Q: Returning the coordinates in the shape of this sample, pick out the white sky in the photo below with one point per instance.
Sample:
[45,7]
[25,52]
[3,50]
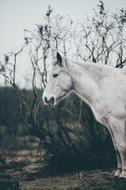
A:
[17,15]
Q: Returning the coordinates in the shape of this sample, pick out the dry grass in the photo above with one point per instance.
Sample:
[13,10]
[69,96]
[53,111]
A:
[93,180]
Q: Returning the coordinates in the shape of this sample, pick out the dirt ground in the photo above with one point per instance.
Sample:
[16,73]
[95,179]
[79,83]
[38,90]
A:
[26,167]
[91,180]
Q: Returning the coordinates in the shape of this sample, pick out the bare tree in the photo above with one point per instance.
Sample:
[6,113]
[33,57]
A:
[103,38]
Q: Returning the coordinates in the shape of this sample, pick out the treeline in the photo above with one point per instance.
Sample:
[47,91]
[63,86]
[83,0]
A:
[68,133]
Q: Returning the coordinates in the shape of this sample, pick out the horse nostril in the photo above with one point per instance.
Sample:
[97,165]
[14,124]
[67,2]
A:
[45,99]
[51,101]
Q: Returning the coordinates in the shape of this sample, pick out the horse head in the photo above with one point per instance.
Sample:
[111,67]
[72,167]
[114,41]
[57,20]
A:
[59,82]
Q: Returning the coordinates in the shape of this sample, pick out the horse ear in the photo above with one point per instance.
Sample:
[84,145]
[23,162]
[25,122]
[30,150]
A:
[59,59]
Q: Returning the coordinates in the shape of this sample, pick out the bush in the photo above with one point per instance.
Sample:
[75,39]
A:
[7,182]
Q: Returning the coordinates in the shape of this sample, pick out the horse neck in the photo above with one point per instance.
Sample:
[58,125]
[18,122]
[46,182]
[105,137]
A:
[85,81]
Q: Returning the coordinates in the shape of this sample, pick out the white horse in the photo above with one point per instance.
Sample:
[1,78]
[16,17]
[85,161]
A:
[103,88]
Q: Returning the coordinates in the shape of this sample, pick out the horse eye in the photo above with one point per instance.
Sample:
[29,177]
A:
[55,75]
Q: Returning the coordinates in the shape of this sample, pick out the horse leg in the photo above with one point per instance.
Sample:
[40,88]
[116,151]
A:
[118,157]
[123,157]
[122,150]
[119,132]
[119,164]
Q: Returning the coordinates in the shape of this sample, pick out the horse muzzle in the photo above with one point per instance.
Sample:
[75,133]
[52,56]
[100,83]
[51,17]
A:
[50,101]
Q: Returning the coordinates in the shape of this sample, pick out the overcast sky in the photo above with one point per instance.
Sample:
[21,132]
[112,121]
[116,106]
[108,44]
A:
[17,15]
